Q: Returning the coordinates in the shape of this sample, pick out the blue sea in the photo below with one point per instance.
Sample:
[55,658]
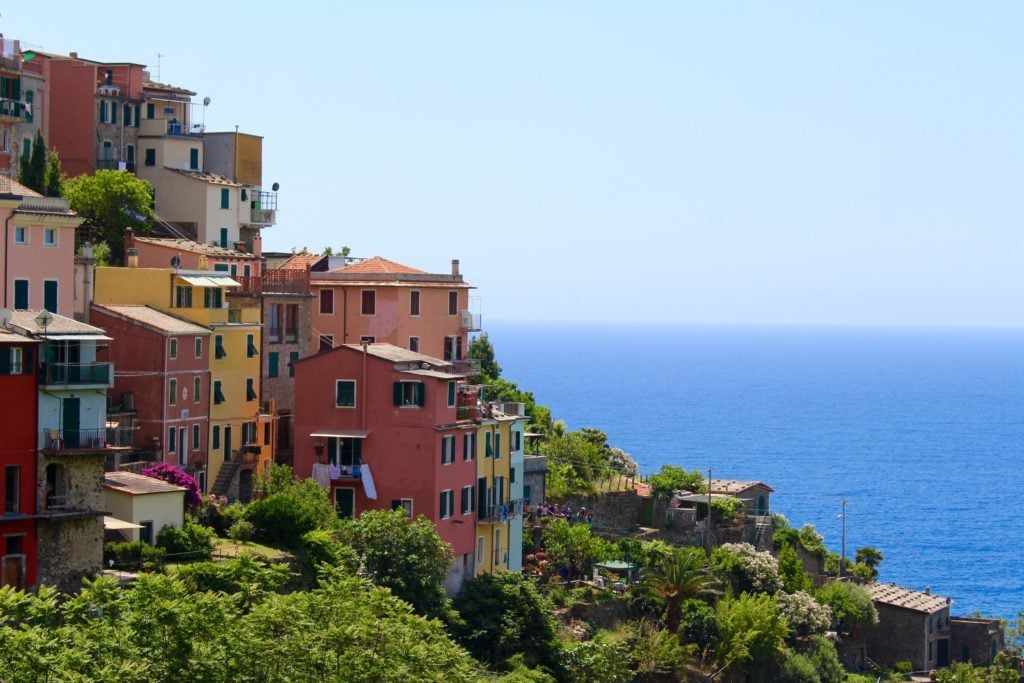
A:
[920,429]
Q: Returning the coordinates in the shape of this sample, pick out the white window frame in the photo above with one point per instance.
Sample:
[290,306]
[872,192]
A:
[198,347]
[480,545]
[23,230]
[47,232]
[407,506]
[172,347]
[472,500]
[17,362]
[449,508]
[415,295]
[448,449]
[417,344]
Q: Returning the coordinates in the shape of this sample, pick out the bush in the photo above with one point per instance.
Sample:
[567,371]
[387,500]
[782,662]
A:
[700,625]
[794,578]
[670,479]
[811,540]
[596,661]
[797,668]
[851,605]
[239,575]
[751,632]
[179,477]
[726,509]
[193,540]
[806,617]
[826,660]
[291,511]
[746,569]
[241,531]
[131,555]
[320,547]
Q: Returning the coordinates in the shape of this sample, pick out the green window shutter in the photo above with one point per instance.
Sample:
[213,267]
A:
[26,149]
[150,110]
[497,446]
[397,388]
[441,507]
[421,394]
[511,475]
[488,449]
[250,391]
[292,357]
[21,294]
[451,394]
[171,439]
[225,195]
[218,343]
[150,157]
[224,238]
[50,296]
[193,159]
[234,270]
[250,345]
[272,364]
[216,437]
[26,361]
[5,361]
[113,112]
[357,451]
[346,393]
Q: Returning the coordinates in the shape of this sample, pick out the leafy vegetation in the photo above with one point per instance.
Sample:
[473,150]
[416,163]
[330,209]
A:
[110,202]
[670,479]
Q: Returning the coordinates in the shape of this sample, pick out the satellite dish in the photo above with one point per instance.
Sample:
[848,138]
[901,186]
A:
[275,187]
[175,262]
[206,101]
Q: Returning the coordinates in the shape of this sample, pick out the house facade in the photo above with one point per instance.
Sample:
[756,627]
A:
[913,626]
[149,503]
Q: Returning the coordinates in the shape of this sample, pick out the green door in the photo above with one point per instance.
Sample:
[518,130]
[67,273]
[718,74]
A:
[71,409]
[345,502]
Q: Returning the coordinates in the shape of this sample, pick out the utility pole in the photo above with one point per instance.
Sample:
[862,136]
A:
[842,557]
[708,519]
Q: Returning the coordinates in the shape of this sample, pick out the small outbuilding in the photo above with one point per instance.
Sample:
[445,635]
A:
[148,504]
[756,495]
[913,626]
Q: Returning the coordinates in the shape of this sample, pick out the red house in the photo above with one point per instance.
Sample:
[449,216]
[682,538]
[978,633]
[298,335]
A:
[164,363]
[378,425]
[18,386]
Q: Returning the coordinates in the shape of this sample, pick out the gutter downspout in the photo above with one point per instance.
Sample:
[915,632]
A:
[344,316]
[362,419]
[7,252]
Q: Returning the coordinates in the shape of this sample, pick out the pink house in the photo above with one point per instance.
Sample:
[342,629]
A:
[378,425]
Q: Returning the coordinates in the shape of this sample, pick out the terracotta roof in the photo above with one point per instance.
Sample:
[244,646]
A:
[891,594]
[378,264]
[212,178]
[156,85]
[734,486]
[18,188]
[396,354]
[60,325]
[154,318]
[136,484]
[300,261]
[195,247]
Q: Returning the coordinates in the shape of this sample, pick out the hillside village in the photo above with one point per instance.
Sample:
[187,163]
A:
[204,354]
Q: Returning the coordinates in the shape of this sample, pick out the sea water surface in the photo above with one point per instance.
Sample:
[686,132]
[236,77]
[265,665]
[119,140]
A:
[920,429]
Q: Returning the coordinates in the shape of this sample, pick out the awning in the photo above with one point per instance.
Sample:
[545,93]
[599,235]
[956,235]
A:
[702,497]
[50,337]
[341,433]
[616,565]
[115,524]
[209,280]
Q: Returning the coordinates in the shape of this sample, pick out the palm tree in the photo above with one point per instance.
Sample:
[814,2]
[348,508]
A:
[872,557]
[676,577]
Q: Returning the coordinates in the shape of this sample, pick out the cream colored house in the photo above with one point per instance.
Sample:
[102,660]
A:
[150,503]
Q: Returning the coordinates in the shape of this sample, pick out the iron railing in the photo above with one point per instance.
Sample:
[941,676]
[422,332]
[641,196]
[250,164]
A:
[59,440]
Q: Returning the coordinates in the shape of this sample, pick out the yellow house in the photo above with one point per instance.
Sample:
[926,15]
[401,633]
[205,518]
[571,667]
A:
[236,432]
[494,509]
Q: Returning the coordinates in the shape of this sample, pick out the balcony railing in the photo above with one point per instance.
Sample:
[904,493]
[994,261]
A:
[470,321]
[262,216]
[120,437]
[467,366]
[501,513]
[234,315]
[469,412]
[115,165]
[509,408]
[12,63]
[179,128]
[61,440]
[282,281]
[78,373]
[12,109]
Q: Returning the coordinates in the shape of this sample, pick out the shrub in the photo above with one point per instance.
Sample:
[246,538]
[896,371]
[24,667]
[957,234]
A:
[747,570]
[211,513]
[597,661]
[794,578]
[670,479]
[726,509]
[192,540]
[241,531]
[751,632]
[826,660]
[179,477]
[293,510]
[131,555]
[320,547]
[796,668]
[238,575]
[811,540]
[806,617]
[851,605]
[700,625]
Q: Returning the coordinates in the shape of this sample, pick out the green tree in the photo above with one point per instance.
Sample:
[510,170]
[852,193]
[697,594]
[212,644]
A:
[852,606]
[573,546]
[575,463]
[111,202]
[401,554]
[679,576]
[481,349]
[751,632]
[32,173]
[504,615]
[670,479]
[597,661]
[823,655]
[290,509]
[872,557]
[794,578]
[53,178]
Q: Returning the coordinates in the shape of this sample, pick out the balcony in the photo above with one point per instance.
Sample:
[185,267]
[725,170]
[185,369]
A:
[469,322]
[466,366]
[12,109]
[12,63]
[507,409]
[262,207]
[282,281]
[78,374]
[115,165]
[120,437]
[500,514]
[75,440]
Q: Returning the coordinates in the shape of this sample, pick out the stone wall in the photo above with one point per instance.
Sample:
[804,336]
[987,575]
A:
[620,512]
[70,550]
[901,635]
[975,639]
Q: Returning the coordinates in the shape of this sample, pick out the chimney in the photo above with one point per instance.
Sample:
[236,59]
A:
[257,245]
[132,260]
[240,246]
[455,266]
[73,55]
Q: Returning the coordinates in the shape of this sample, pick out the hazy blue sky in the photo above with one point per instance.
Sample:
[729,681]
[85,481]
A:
[782,162]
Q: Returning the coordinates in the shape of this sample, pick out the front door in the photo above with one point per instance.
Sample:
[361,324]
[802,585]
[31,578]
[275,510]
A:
[481,498]
[227,444]
[10,571]
[345,502]
[70,414]
[182,448]
[942,653]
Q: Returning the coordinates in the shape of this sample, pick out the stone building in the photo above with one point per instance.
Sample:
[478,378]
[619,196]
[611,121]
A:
[975,639]
[913,626]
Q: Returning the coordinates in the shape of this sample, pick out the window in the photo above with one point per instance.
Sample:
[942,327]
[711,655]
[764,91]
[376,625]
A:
[291,323]
[50,237]
[469,446]
[29,97]
[220,267]
[414,344]
[250,345]
[447,450]
[197,389]
[218,395]
[183,297]
[218,347]
[414,302]
[196,436]
[327,302]
[292,357]
[272,358]
[11,362]
[113,112]
[367,340]
[345,502]
[103,111]
[497,446]
[174,347]
[216,437]
[150,157]
[172,440]
[453,348]
[193,159]
[146,532]
[409,394]
[467,500]
[369,302]
[344,452]
[453,303]
[274,323]
[248,433]
[213,297]
[497,546]
[451,394]
[225,198]
[199,347]
[150,110]
[128,115]
[345,393]
[224,237]
[250,389]
[326,342]
[447,503]
[488,450]
[130,150]
[12,488]
[21,294]
[511,475]
[26,149]
[479,550]
[403,504]
[50,295]
[172,393]
[20,235]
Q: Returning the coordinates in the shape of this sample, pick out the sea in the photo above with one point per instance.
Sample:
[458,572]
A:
[920,430]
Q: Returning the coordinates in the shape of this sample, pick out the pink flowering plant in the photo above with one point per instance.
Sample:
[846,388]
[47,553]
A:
[179,477]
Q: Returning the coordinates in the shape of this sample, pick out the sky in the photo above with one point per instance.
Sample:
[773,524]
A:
[853,163]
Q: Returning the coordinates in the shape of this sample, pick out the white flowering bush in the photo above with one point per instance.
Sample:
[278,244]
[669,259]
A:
[746,569]
[806,616]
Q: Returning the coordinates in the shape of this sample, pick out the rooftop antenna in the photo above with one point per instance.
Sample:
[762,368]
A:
[158,58]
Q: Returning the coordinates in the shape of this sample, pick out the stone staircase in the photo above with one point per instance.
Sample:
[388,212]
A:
[225,478]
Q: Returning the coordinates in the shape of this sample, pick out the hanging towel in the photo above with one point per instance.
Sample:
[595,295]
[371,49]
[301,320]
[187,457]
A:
[368,487]
[321,475]
[334,471]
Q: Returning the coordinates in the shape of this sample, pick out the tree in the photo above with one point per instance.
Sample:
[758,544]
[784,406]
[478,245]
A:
[670,479]
[32,173]
[503,615]
[53,179]
[805,616]
[745,569]
[751,632]
[575,463]
[574,547]
[597,661]
[481,349]
[852,606]
[872,557]
[111,202]
[794,578]
[401,554]
[679,576]
[292,508]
